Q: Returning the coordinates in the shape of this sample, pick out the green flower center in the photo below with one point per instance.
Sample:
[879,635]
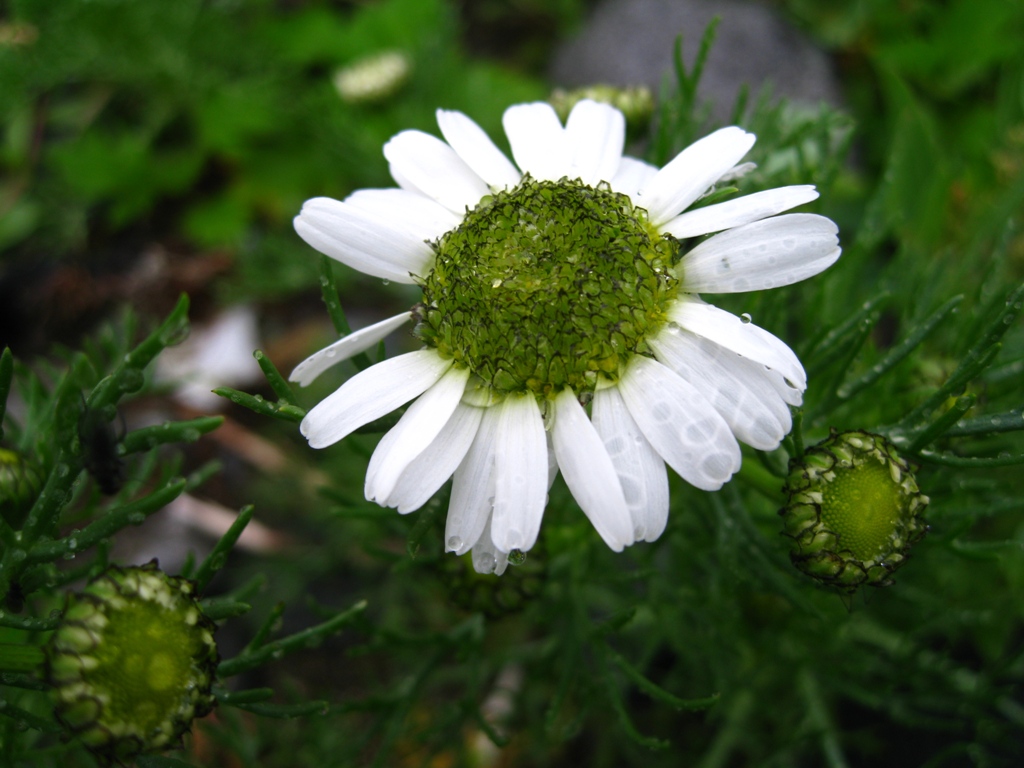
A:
[145,664]
[548,285]
[862,506]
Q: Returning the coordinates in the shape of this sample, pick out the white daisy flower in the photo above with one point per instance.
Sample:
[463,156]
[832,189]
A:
[563,281]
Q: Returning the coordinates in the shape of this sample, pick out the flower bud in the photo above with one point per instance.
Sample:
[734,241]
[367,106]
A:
[133,662]
[854,510]
[374,78]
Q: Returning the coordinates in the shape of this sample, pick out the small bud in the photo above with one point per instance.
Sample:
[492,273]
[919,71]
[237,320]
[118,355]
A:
[854,510]
[133,663]
[20,484]
[374,78]
[635,103]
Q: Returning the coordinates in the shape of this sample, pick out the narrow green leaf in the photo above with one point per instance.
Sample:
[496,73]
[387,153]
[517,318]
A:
[658,693]
[977,359]
[830,346]
[278,648]
[19,715]
[424,521]
[287,711]
[274,378]
[128,376]
[116,519]
[260,638]
[965,372]
[332,300]
[217,609]
[218,556]
[147,438]
[972,462]
[284,411]
[613,623]
[249,696]
[1011,421]
[615,698]
[913,339]
[942,424]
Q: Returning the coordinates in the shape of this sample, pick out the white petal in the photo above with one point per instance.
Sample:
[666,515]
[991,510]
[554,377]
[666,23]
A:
[589,472]
[424,218]
[434,169]
[680,423]
[475,147]
[521,473]
[765,254]
[429,471]
[632,177]
[487,558]
[692,172]
[371,394]
[745,339]
[349,346]
[596,134]
[375,245]
[789,392]
[417,428]
[539,143]
[641,471]
[751,407]
[472,497]
[742,210]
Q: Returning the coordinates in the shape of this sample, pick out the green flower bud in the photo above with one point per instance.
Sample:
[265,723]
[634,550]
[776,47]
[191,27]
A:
[133,662]
[495,596]
[20,483]
[635,103]
[374,78]
[854,510]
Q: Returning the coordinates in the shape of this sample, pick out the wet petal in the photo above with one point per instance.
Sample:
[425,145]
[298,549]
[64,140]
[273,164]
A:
[521,473]
[477,150]
[539,143]
[596,133]
[680,424]
[692,173]
[762,255]
[417,428]
[428,472]
[745,339]
[641,470]
[737,212]
[371,394]
[589,472]
[375,245]
[341,350]
[434,169]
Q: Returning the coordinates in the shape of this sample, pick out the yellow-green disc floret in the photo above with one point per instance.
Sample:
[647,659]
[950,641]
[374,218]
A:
[854,510]
[133,662]
[548,285]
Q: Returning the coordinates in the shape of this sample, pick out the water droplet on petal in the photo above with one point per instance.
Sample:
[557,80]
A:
[745,318]
[454,543]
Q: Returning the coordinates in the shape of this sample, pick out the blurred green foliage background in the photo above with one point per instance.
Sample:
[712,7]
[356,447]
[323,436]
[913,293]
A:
[198,128]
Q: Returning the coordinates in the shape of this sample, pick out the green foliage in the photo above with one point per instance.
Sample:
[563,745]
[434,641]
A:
[213,119]
[209,123]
